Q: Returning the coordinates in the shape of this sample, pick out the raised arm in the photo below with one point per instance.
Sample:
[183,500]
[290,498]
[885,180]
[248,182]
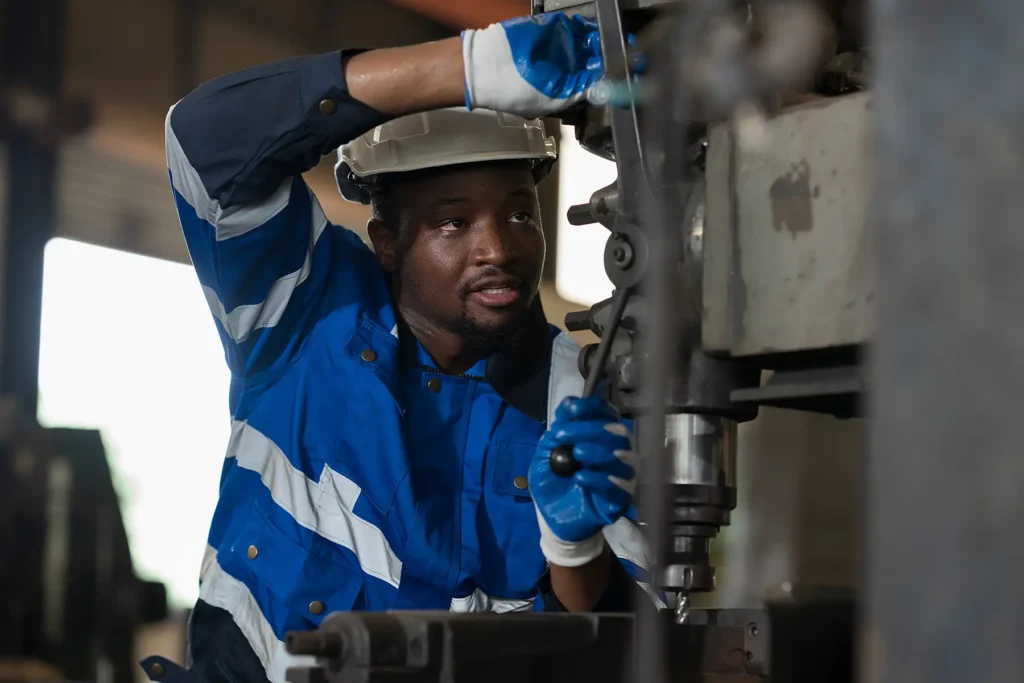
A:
[237,145]
[236,148]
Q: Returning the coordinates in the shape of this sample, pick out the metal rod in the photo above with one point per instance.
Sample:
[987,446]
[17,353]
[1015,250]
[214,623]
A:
[604,348]
[320,643]
[633,179]
[664,213]
[561,459]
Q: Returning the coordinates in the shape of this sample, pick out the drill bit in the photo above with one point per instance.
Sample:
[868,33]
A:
[682,607]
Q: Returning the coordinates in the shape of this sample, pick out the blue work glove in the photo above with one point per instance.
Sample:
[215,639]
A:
[573,511]
[531,66]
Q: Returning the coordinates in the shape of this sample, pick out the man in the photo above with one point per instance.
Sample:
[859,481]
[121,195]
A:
[388,405]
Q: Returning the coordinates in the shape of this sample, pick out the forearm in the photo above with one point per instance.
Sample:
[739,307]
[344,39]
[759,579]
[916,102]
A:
[246,132]
[405,80]
[578,589]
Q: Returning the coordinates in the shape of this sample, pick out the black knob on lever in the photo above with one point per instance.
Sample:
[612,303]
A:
[561,459]
[563,463]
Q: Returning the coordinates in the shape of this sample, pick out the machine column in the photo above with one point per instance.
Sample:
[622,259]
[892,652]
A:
[945,555]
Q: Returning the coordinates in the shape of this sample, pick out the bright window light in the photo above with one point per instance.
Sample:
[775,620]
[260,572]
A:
[579,269]
[129,348]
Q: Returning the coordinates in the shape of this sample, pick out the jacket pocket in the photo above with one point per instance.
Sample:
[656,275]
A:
[512,468]
[509,540]
[305,580]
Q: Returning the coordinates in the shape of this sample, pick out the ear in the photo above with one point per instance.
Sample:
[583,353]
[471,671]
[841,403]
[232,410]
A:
[385,244]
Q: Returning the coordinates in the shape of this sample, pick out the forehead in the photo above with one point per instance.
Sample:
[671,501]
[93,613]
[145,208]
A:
[492,182]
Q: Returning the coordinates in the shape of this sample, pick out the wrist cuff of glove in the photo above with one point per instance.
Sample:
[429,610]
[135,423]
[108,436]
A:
[483,52]
[568,553]
[468,36]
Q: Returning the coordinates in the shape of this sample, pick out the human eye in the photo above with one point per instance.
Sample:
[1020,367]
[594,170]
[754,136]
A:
[521,217]
[453,224]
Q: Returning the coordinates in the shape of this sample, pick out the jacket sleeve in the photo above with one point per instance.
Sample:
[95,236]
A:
[236,149]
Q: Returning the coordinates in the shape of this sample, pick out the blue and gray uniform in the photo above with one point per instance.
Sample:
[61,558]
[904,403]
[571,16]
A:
[357,476]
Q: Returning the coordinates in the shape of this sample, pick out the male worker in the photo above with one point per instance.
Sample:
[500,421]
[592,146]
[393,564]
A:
[388,406]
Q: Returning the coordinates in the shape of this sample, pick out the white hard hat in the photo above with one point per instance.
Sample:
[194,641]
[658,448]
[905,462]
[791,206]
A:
[443,137]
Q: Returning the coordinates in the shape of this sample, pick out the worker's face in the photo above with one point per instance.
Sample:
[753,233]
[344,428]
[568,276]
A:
[468,250]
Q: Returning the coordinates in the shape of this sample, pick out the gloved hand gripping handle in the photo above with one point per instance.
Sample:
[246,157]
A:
[561,459]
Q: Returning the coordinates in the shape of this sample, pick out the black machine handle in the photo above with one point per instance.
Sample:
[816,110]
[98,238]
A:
[561,459]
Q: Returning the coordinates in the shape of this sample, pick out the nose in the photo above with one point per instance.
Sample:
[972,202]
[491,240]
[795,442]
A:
[492,244]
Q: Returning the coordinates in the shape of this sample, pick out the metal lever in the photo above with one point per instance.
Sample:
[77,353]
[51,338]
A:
[602,208]
[579,214]
[561,459]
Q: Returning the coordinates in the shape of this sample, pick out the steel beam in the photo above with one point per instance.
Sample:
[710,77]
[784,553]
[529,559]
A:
[945,599]
[33,43]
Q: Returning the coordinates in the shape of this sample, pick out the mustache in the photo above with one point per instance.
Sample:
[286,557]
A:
[492,276]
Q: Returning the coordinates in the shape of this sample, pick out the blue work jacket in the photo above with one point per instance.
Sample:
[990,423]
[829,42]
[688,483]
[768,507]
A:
[357,477]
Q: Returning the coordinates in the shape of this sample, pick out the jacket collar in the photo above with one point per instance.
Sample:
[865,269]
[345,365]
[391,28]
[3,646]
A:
[520,376]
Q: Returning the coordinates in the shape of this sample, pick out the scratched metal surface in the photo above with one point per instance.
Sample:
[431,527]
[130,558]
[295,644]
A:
[787,264]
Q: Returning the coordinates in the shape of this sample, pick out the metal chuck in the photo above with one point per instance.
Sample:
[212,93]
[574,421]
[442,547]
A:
[702,450]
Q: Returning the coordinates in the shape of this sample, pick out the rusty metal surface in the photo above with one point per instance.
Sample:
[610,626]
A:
[945,556]
[787,265]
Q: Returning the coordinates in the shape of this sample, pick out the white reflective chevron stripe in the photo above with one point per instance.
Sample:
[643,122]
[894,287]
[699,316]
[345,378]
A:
[227,223]
[241,321]
[626,539]
[324,506]
[565,378]
[655,598]
[220,589]
[478,601]
[209,557]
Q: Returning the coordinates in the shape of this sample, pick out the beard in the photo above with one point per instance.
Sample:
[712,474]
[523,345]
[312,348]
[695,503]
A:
[487,340]
[481,339]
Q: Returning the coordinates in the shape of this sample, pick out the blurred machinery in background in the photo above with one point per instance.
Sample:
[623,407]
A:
[71,600]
